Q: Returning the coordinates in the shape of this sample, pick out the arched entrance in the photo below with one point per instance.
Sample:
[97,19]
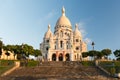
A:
[67,57]
[60,57]
[54,57]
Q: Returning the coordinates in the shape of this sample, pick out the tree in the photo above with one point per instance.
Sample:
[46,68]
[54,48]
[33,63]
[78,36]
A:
[85,54]
[22,50]
[0,48]
[92,53]
[106,52]
[19,56]
[95,54]
[37,52]
[27,49]
[99,55]
[117,54]
[16,49]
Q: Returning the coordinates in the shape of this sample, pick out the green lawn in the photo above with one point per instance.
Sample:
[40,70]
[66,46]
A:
[88,63]
[30,63]
[111,66]
[4,68]
[5,65]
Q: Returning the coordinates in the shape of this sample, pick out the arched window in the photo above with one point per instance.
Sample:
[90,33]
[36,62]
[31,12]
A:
[47,41]
[67,57]
[80,40]
[67,46]
[61,44]
[77,40]
[75,57]
[47,48]
[65,33]
[60,57]
[54,57]
[77,48]
[55,46]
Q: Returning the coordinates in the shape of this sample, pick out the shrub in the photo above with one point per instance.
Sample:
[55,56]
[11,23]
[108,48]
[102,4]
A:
[88,63]
[112,71]
[32,63]
[6,62]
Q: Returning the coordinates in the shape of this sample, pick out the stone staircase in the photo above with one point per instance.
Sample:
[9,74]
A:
[60,63]
[58,71]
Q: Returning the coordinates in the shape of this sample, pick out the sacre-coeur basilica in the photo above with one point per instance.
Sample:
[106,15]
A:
[64,44]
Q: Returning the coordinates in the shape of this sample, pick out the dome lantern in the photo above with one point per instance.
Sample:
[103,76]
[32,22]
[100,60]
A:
[63,11]
[49,27]
[76,26]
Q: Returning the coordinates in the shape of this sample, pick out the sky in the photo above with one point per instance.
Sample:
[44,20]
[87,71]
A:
[26,21]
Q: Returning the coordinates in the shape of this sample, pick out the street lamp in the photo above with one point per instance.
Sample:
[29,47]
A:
[93,45]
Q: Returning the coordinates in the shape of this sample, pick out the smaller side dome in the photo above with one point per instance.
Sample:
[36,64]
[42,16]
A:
[77,32]
[49,33]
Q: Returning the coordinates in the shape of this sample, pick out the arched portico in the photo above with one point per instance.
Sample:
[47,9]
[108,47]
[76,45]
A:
[67,56]
[54,57]
[60,57]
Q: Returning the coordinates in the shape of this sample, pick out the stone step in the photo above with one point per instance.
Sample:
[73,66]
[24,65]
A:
[60,63]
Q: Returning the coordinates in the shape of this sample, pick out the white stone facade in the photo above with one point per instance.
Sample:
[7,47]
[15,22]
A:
[64,44]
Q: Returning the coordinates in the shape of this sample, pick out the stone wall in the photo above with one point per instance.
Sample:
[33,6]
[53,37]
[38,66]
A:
[10,57]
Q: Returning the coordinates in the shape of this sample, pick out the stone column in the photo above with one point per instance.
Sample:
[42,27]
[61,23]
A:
[49,56]
[64,46]
[57,56]
[71,57]
[64,56]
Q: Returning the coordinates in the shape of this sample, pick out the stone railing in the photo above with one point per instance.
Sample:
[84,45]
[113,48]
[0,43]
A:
[97,64]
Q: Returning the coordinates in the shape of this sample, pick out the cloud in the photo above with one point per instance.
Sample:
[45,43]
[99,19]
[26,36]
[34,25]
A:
[88,40]
[45,19]
[50,14]
[81,26]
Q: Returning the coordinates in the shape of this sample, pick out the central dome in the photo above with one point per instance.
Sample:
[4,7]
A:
[63,20]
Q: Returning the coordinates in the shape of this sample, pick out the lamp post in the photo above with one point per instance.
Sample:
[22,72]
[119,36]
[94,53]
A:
[93,45]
